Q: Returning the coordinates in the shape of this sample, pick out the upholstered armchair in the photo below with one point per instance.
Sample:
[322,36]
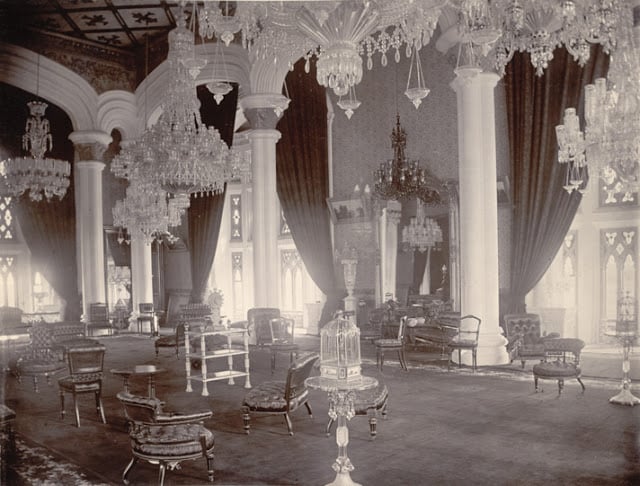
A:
[561,361]
[524,339]
[164,438]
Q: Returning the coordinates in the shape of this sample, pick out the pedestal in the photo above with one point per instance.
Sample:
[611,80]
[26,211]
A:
[625,397]
[341,408]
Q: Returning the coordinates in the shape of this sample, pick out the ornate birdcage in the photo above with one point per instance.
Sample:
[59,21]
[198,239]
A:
[340,350]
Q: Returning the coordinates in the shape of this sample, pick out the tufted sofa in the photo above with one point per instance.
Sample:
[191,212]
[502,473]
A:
[525,341]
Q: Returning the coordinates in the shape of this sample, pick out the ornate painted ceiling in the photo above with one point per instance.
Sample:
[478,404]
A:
[119,24]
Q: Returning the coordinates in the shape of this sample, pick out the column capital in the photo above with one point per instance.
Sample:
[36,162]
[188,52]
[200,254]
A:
[264,110]
[90,144]
[465,77]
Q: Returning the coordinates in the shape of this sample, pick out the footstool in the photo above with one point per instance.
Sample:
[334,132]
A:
[369,402]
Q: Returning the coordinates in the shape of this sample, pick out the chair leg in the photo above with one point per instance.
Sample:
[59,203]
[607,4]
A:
[128,469]
[459,358]
[289,424]
[75,406]
[246,419]
[329,424]
[403,359]
[373,426]
[474,355]
[35,383]
[560,386]
[210,470]
[581,384]
[163,468]
[535,383]
[61,404]
[100,408]
[306,404]
[273,361]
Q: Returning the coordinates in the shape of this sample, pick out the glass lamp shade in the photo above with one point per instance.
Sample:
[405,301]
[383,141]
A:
[340,351]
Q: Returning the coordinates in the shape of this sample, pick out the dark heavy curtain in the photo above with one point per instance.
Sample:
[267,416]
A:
[49,228]
[543,210]
[303,180]
[205,212]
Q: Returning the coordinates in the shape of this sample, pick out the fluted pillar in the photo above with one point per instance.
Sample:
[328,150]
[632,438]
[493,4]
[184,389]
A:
[141,273]
[88,167]
[479,210]
[263,112]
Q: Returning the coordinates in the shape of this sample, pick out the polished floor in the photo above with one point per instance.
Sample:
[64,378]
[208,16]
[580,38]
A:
[444,427]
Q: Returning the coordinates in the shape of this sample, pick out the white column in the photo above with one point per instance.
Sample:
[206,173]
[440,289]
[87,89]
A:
[141,274]
[263,113]
[389,247]
[89,147]
[479,210]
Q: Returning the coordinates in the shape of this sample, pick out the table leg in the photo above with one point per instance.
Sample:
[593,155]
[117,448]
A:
[625,397]
[151,387]
[341,408]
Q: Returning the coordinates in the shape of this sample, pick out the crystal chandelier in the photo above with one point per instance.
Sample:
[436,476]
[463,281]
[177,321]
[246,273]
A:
[611,142]
[179,153]
[504,27]
[147,212]
[37,174]
[422,233]
[401,178]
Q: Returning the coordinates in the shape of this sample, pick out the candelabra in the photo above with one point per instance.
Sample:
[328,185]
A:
[400,178]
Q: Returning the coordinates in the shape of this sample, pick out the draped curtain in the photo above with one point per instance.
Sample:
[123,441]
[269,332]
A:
[303,180]
[543,210]
[205,212]
[48,228]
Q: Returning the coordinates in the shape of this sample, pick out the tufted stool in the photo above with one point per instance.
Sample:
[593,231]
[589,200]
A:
[369,402]
[561,360]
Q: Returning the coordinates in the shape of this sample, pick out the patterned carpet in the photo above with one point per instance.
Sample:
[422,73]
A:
[38,467]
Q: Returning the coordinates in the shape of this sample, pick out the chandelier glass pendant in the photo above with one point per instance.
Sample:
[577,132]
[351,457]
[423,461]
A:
[39,175]
[571,146]
[401,178]
[179,153]
[422,234]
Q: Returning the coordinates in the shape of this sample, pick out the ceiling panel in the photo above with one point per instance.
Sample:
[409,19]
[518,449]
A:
[95,20]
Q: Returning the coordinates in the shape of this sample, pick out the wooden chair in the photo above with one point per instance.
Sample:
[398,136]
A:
[466,338]
[281,397]
[523,334]
[282,339]
[99,319]
[165,438]
[258,323]
[392,344]
[561,361]
[41,358]
[175,340]
[146,313]
[85,376]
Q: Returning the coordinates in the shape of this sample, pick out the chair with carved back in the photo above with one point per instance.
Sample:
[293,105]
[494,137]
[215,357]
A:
[174,340]
[146,314]
[466,339]
[392,344]
[282,339]
[85,376]
[41,358]
[99,319]
[281,397]
[258,319]
[165,438]
[525,341]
